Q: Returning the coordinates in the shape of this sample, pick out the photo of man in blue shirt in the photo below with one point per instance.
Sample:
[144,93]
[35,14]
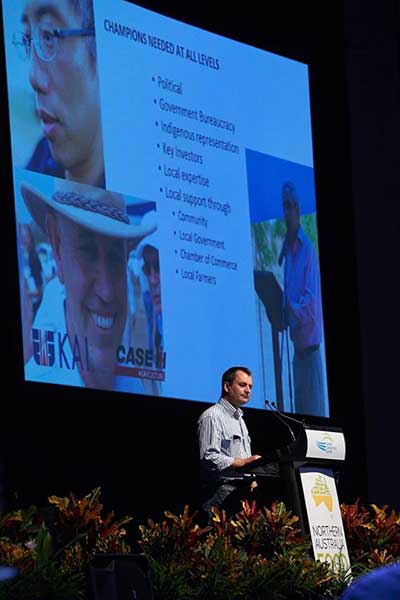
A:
[302,307]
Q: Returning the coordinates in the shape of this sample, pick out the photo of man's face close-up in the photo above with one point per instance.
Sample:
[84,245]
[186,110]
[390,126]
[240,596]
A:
[92,268]
[57,38]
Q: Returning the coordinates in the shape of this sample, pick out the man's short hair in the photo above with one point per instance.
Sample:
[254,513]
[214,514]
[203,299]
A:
[84,10]
[289,193]
[230,375]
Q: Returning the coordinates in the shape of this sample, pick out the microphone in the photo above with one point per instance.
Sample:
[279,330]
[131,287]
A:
[281,417]
[276,409]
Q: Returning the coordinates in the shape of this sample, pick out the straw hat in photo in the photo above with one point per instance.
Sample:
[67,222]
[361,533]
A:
[96,209]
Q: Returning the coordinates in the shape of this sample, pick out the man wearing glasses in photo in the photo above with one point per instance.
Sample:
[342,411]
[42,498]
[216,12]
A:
[58,40]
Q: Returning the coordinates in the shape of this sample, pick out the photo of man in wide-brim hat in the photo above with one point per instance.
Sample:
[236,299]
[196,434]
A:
[90,235]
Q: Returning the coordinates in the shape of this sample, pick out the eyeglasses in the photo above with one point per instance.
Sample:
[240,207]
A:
[46,41]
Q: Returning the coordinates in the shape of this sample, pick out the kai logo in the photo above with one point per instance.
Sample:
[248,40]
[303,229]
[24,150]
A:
[51,348]
[43,344]
[326,444]
[321,493]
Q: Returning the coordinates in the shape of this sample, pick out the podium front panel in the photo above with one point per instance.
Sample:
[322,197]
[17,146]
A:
[324,517]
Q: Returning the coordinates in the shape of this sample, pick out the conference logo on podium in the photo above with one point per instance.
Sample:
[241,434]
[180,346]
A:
[326,444]
[324,517]
[321,493]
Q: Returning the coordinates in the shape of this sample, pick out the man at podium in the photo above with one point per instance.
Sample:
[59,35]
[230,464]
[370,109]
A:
[225,444]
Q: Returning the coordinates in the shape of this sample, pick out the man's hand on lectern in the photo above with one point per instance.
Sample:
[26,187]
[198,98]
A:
[241,462]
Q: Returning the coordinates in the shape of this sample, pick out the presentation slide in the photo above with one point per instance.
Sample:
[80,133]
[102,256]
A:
[165,206]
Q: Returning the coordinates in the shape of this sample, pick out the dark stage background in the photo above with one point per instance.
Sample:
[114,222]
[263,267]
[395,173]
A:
[143,451]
